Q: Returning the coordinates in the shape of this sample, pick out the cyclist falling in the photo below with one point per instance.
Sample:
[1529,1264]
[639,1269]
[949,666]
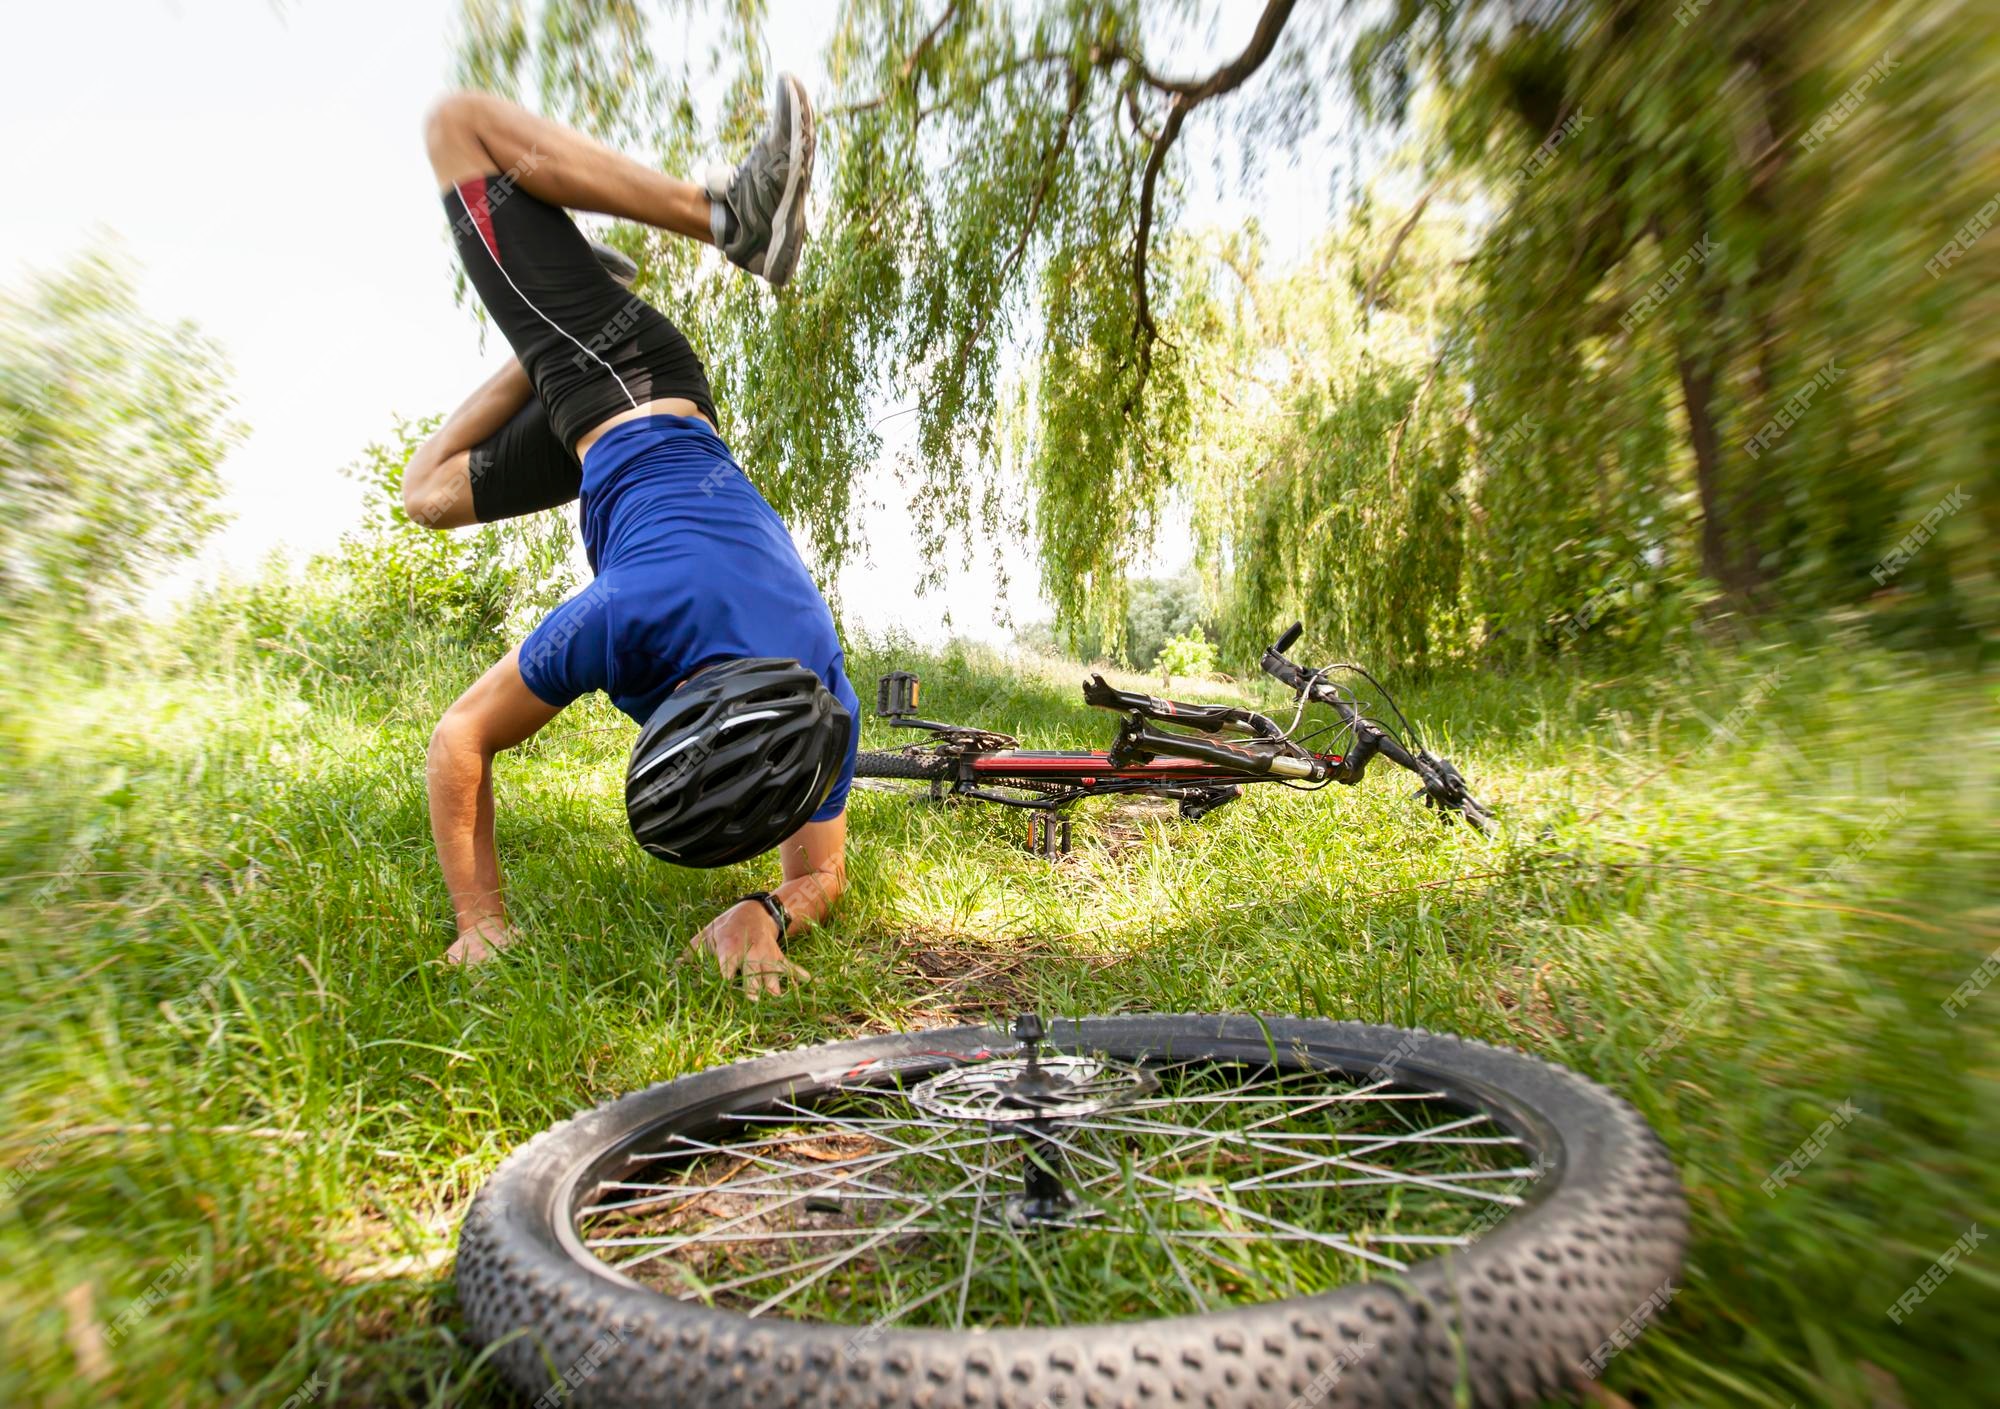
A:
[701,622]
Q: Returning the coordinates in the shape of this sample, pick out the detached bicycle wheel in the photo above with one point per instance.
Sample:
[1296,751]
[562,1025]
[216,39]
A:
[1147,1210]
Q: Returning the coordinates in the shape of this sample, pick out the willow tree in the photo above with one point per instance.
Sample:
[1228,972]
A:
[1662,295]
[1711,292]
[1003,196]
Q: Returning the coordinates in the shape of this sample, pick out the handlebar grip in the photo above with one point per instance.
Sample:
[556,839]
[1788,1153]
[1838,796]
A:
[1292,633]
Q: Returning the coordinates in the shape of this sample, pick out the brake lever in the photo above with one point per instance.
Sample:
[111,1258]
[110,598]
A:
[1450,794]
[1449,780]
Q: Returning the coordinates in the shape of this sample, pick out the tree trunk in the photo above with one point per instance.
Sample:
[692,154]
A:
[1764,148]
[1697,396]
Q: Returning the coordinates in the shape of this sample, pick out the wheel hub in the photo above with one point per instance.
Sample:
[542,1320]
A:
[1019,1091]
[1028,1095]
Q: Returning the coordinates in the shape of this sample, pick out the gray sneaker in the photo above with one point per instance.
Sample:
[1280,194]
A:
[759,216]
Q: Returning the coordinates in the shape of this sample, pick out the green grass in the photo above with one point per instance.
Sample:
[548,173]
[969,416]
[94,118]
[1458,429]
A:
[245,1106]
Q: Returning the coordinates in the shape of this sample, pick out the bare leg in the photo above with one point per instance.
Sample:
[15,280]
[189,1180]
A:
[476,134]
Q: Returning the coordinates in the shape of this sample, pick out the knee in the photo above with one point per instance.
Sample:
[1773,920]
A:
[452,127]
[422,493]
[417,502]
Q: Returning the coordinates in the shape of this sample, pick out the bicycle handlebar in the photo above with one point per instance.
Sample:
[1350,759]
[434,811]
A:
[1443,786]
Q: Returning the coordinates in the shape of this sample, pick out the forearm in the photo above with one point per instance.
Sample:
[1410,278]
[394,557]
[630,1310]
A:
[815,863]
[809,899]
[460,780]
[491,405]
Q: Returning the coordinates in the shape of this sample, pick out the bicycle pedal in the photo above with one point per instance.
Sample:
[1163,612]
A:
[896,695]
[1048,836]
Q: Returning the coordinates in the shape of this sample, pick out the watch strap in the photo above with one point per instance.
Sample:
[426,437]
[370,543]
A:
[774,907]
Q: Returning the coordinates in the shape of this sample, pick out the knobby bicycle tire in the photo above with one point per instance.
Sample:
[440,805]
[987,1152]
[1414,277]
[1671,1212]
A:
[1509,1318]
[902,765]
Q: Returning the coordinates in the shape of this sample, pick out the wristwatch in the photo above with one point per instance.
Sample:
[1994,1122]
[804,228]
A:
[773,907]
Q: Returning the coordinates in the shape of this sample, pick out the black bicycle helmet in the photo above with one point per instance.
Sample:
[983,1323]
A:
[735,761]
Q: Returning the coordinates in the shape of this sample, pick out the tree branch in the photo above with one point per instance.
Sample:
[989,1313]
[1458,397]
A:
[1187,94]
[924,45]
[905,70]
[1005,70]
[1138,118]
[1233,74]
[1395,245]
[1050,161]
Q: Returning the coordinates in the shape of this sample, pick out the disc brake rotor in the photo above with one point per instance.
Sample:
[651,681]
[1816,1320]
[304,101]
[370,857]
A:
[1018,1089]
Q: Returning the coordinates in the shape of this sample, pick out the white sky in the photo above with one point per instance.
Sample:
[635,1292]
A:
[262,165]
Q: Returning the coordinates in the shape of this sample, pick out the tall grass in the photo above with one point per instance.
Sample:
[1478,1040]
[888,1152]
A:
[245,1104]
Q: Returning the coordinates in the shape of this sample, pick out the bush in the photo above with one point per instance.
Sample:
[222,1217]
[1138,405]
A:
[1192,654]
[396,593]
[111,428]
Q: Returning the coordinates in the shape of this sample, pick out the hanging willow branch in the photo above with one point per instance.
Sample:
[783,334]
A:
[1187,95]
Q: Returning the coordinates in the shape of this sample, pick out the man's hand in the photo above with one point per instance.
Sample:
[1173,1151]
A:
[744,938]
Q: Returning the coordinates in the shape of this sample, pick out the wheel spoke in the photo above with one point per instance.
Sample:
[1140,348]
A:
[1232,1137]
[1191,1185]
[1202,1196]
[672,1244]
[876,1240]
[669,1192]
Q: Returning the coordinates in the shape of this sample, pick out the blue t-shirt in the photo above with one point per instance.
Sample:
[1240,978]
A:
[692,567]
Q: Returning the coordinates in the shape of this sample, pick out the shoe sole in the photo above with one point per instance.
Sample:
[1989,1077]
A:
[788,222]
